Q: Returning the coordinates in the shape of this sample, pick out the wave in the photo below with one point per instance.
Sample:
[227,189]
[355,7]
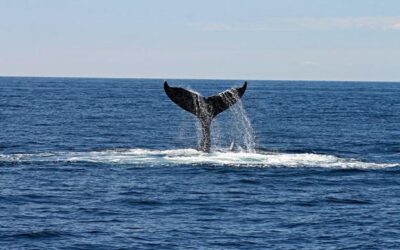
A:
[150,157]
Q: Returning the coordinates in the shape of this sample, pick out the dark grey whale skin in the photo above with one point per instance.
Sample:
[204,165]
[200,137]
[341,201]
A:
[204,108]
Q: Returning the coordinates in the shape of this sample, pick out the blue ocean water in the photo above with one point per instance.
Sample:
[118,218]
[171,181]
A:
[111,164]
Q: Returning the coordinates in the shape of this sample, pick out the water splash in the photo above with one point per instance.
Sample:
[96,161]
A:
[242,126]
[149,157]
[234,128]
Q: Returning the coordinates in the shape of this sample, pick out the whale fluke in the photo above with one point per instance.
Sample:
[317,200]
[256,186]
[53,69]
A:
[204,108]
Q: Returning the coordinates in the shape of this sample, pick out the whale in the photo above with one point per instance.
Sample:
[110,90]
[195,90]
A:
[204,108]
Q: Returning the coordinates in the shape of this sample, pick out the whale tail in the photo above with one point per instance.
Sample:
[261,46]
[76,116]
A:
[204,108]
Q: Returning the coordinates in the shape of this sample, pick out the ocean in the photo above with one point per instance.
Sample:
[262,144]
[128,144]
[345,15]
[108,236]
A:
[91,163]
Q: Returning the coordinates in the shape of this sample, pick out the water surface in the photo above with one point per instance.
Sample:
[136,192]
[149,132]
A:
[111,164]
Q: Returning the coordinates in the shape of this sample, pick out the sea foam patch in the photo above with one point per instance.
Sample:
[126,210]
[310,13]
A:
[150,157]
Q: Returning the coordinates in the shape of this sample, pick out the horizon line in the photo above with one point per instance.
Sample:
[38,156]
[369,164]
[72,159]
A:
[194,78]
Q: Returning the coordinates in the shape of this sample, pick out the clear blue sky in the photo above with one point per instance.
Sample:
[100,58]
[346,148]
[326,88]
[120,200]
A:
[248,39]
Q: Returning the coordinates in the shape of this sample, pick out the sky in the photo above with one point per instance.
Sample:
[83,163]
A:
[346,40]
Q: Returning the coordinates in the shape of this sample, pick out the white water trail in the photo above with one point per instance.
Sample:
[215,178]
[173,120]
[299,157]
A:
[183,157]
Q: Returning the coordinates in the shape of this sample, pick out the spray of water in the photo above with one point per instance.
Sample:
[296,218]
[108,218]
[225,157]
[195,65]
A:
[234,128]
[242,126]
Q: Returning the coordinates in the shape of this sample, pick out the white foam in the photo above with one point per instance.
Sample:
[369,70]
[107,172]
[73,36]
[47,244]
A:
[149,157]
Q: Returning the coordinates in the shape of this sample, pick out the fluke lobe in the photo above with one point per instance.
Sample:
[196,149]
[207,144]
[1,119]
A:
[204,108]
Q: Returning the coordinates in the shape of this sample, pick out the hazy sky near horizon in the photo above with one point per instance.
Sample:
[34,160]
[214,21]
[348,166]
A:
[228,39]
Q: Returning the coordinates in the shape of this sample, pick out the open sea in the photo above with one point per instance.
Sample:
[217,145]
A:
[90,163]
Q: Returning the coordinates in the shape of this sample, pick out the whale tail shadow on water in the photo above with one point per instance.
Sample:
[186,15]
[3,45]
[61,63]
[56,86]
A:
[204,108]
